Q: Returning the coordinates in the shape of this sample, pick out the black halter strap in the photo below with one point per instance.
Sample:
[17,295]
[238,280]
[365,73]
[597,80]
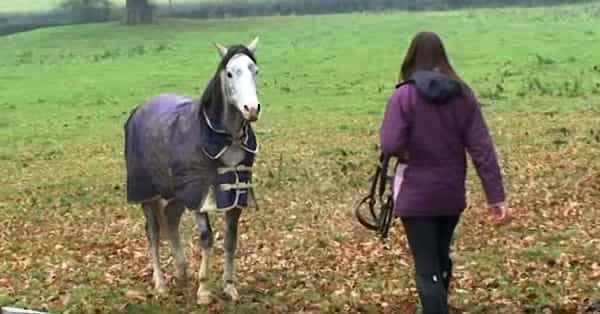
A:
[380,221]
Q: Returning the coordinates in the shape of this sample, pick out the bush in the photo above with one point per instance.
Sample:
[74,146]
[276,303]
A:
[89,10]
[300,7]
[83,11]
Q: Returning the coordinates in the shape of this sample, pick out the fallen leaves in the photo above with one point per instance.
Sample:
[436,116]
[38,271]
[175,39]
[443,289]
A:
[77,247]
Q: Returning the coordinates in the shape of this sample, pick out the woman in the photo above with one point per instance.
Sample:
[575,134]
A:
[434,118]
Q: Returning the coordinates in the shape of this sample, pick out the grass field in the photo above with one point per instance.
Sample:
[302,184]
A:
[69,243]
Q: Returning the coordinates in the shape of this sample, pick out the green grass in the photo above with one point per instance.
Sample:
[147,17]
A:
[65,93]
[83,77]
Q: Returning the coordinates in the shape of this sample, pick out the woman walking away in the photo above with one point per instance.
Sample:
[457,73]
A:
[434,118]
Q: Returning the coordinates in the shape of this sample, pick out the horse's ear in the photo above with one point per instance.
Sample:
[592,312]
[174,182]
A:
[253,45]
[222,49]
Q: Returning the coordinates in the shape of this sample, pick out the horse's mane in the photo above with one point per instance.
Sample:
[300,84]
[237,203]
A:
[213,93]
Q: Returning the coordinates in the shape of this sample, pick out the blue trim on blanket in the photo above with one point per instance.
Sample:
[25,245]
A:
[216,140]
[215,143]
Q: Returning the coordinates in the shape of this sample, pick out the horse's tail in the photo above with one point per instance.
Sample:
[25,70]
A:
[161,216]
[126,143]
[158,207]
[126,128]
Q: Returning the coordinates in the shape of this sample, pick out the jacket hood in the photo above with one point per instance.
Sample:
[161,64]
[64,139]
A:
[436,87]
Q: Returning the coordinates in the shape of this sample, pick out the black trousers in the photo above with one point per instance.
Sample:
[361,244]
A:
[429,240]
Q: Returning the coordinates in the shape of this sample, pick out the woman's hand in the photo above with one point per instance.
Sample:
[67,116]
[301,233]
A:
[500,211]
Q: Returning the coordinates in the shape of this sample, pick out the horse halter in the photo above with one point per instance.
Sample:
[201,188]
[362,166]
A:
[378,204]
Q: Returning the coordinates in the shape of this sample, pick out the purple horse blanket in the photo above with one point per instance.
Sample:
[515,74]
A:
[172,150]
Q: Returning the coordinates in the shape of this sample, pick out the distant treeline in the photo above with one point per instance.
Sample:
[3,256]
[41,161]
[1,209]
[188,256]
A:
[72,14]
[14,23]
[303,7]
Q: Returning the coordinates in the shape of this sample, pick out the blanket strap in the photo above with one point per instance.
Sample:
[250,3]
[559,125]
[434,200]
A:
[224,170]
[235,186]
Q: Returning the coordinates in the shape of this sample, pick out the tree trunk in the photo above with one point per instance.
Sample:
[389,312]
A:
[138,12]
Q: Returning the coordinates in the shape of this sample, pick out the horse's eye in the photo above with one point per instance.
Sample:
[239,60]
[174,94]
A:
[229,74]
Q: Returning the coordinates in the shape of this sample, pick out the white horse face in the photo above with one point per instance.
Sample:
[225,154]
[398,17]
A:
[239,80]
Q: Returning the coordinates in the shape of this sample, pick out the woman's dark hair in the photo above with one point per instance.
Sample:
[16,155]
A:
[427,53]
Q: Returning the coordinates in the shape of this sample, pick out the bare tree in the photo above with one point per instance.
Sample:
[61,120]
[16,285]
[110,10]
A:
[138,12]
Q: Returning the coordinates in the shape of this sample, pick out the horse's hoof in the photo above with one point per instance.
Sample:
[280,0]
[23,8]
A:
[204,297]
[231,292]
[181,279]
[161,290]
[181,282]
[181,272]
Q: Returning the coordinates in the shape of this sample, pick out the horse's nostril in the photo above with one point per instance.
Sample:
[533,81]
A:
[246,108]
[257,108]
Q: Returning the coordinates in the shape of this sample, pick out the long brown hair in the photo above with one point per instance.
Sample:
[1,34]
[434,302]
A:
[427,52]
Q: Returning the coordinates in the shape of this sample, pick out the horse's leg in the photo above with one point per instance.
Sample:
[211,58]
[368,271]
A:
[206,244]
[173,212]
[232,217]
[153,231]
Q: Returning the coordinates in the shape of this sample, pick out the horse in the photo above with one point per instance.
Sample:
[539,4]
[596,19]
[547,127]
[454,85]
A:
[182,153]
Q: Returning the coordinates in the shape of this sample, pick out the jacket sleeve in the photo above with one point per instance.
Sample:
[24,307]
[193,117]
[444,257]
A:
[480,146]
[396,121]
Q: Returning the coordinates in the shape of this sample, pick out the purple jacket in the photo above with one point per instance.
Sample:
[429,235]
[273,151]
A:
[436,121]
